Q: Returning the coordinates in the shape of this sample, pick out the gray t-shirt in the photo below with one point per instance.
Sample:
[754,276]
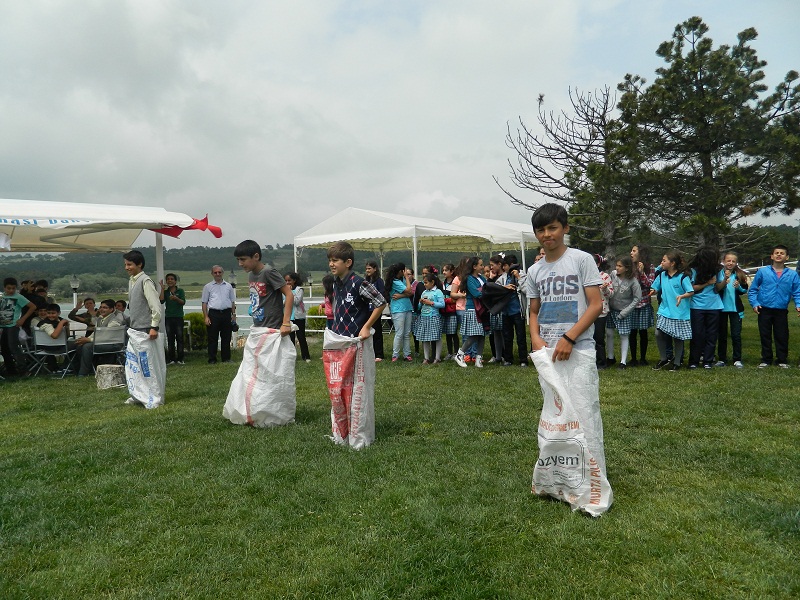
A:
[266,300]
[559,287]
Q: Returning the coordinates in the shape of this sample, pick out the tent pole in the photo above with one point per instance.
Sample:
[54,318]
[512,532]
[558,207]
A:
[414,238]
[522,247]
[294,253]
[159,279]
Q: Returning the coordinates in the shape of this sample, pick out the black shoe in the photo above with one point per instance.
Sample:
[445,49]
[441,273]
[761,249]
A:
[633,363]
[673,367]
[661,364]
[212,361]
[644,363]
[610,361]
[622,366]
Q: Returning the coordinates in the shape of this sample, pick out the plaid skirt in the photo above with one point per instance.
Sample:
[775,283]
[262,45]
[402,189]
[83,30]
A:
[676,328]
[616,322]
[414,324]
[642,318]
[470,325]
[449,324]
[429,329]
[496,322]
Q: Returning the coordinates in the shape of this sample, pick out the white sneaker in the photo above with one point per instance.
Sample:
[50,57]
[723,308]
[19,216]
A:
[180,362]
[172,362]
[719,363]
[738,364]
[131,401]
[763,366]
[492,360]
[459,358]
[308,360]
[479,362]
[783,365]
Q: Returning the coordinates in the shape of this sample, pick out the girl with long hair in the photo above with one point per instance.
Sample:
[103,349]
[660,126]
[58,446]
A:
[708,282]
[398,293]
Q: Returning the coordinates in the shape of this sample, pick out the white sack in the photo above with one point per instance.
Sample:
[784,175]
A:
[350,372]
[145,369]
[263,392]
[571,465]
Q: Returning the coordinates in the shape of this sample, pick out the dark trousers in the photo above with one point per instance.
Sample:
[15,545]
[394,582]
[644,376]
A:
[377,339]
[12,355]
[514,325]
[220,329]
[635,345]
[174,326]
[600,340]
[301,337]
[736,336]
[774,321]
[705,327]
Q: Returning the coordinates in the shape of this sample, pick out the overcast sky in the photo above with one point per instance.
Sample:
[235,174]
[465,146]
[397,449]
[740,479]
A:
[270,116]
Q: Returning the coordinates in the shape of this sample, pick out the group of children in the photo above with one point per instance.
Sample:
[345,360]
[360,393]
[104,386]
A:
[699,301]
[27,306]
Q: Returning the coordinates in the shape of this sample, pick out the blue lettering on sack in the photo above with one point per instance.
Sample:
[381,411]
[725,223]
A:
[131,361]
[144,363]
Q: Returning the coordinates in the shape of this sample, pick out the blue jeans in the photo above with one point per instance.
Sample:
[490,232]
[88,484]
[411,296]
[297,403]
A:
[402,333]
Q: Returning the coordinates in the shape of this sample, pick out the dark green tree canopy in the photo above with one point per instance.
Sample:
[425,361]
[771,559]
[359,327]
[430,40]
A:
[706,142]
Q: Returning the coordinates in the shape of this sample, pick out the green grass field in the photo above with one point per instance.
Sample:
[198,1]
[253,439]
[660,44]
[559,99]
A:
[103,500]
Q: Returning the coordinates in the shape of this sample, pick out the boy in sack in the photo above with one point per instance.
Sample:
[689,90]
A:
[565,300]
[263,392]
[347,353]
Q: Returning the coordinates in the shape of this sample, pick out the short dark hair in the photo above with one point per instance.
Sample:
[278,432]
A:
[41,283]
[510,259]
[10,281]
[89,298]
[780,247]
[109,303]
[135,257]
[341,250]
[247,249]
[54,307]
[171,275]
[123,302]
[547,213]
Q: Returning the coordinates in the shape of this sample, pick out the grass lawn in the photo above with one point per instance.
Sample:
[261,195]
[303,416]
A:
[103,500]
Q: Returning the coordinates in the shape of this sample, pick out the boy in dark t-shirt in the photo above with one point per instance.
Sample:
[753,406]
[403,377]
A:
[267,307]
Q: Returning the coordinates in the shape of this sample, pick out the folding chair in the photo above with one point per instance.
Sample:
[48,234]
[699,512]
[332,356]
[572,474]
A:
[47,346]
[28,349]
[109,341]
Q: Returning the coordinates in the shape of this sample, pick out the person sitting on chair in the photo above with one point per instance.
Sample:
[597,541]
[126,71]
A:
[106,317]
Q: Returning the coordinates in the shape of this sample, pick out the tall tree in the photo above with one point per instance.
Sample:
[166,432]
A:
[575,160]
[709,147]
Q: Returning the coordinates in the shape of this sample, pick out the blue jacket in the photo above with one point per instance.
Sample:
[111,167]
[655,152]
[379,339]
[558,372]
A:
[770,291]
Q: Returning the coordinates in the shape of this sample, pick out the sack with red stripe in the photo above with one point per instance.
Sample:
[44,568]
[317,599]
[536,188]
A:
[350,372]
[263,392]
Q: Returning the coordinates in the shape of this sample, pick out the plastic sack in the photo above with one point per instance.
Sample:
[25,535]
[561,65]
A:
[145,369]
[571,465]
[263,392]
[350,372]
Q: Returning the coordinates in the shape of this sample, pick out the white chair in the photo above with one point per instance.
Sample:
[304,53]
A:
[109,341]
[47,346]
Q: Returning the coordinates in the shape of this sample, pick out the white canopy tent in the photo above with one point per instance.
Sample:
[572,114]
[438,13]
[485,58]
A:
[380,232]
[38,226]
[507,234]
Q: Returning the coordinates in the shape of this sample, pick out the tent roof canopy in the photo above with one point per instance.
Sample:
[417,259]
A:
[502,233]
[36,226]
[380,232]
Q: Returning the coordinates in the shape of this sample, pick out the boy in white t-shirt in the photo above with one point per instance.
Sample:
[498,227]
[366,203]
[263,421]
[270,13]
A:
[563,288]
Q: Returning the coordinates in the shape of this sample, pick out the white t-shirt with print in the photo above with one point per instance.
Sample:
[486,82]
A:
[560,288]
